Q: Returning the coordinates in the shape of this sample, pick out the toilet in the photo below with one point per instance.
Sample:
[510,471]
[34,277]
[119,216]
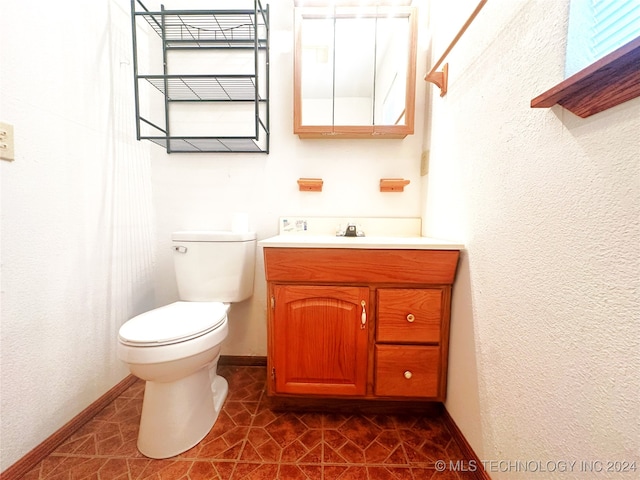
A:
[175,348]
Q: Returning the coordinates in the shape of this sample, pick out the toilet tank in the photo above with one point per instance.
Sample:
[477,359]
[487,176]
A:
[214,266]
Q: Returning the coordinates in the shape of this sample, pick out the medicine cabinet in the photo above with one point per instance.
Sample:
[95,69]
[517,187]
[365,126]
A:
[355,70]
[202,77]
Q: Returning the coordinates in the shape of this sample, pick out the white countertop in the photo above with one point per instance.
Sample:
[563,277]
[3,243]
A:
[305,240]
[320,232]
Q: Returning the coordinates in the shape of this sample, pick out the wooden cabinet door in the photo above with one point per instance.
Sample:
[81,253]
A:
[319,340]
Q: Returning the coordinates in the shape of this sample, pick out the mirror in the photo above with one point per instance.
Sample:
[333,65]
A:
[355,71]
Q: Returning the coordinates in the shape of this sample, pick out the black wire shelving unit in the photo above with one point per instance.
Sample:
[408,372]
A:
[182,32]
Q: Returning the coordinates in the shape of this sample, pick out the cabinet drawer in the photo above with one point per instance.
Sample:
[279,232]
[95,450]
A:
[346,265]
[409,315]
[407,371]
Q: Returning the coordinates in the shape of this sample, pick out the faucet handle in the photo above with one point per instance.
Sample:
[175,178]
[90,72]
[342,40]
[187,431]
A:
[351,231]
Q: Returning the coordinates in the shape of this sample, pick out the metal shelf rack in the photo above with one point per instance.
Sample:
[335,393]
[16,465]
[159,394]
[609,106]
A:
[217,101]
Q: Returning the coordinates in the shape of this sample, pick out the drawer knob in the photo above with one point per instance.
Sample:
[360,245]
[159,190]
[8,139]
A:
[408,374]
[411,318]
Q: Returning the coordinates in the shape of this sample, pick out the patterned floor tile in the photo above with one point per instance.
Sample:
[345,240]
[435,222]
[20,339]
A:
[252,442]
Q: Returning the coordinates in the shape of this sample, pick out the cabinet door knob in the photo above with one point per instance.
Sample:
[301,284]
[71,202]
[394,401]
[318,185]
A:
[408,374]
[411,318]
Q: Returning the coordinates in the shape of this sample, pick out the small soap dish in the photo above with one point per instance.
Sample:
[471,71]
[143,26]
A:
[310,184]
[393,184]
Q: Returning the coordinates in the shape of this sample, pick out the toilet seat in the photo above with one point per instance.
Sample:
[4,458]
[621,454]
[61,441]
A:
[173,323]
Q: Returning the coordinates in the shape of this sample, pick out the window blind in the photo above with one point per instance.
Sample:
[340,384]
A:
[598,27]
[616,22]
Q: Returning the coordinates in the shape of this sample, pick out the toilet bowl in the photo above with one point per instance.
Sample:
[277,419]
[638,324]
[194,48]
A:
[175,349]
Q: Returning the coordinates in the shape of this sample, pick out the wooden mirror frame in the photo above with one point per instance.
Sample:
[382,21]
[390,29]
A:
[355,131]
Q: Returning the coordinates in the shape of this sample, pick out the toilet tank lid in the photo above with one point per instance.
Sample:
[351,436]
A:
[212,236]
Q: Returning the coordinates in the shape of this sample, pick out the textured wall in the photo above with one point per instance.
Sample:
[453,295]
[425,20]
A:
[545,321]
[77,228]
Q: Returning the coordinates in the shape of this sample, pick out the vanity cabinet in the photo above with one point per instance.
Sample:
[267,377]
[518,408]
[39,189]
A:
[359,323]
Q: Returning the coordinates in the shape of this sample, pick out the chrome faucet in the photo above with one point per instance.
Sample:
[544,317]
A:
[350,231]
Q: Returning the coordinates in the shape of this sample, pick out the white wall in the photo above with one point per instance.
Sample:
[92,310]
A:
[545,318]
[77,230]
[87,211]
[204,190]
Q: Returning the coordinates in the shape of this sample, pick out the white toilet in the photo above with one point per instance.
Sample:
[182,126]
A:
[175,348]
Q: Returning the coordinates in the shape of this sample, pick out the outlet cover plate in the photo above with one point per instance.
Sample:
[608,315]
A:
[6,142]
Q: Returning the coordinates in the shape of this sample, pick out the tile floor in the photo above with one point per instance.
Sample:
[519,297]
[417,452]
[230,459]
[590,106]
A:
[250,441]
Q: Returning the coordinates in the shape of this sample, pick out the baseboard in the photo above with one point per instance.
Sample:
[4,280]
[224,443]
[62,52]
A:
[467,452]
[39,453]
[242,361]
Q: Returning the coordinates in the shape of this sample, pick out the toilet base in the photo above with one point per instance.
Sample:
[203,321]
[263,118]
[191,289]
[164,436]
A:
[176,416]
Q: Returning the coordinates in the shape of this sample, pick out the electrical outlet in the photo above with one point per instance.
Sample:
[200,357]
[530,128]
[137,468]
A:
[6,142]
[424,163]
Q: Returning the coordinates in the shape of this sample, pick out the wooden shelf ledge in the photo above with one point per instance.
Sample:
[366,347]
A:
[393,184]
[612,80]
[310,184]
